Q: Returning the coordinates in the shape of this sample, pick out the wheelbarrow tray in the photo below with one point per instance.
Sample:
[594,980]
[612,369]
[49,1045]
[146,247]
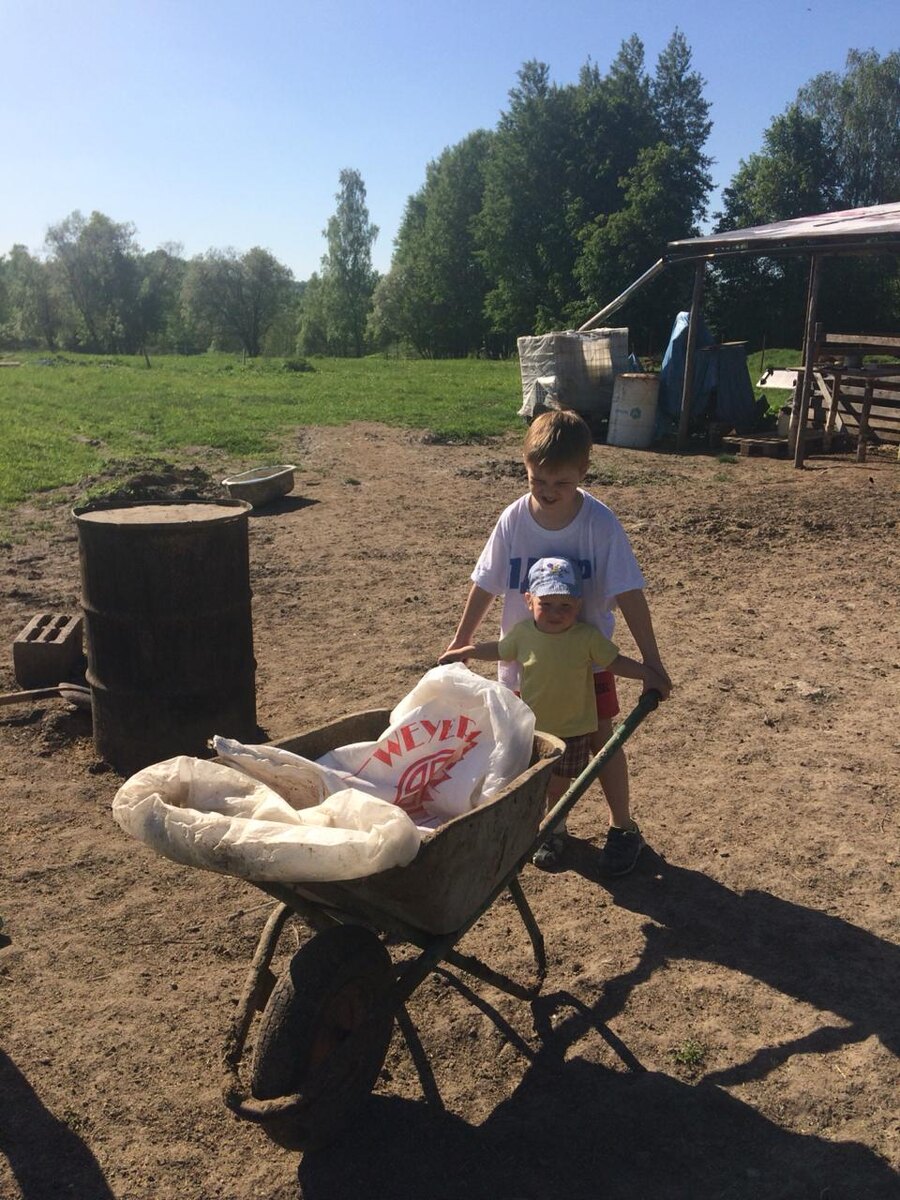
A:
[458,865]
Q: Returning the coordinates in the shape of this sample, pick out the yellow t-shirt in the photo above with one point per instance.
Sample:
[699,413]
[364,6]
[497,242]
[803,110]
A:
[557,674]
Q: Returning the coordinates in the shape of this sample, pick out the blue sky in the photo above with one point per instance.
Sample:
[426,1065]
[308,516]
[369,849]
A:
[227,124]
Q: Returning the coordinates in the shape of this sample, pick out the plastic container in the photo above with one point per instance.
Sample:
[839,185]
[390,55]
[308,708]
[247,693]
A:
[632,417]
[261,485]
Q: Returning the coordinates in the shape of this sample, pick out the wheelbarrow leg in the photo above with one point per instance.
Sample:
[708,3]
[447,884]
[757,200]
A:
[258,977]
[531,926]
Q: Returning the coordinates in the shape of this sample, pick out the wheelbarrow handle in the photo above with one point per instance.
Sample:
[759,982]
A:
[647,703]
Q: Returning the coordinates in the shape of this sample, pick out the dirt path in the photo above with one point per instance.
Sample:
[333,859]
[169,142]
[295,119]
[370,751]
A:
[722,1023]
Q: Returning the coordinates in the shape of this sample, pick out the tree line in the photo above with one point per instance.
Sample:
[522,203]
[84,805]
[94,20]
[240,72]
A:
[528,227]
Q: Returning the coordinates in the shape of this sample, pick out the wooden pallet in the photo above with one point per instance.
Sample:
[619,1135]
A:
[770,445]
[756,447]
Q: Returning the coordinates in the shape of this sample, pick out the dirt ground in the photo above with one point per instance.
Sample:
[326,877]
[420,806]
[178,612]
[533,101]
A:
[722,1023]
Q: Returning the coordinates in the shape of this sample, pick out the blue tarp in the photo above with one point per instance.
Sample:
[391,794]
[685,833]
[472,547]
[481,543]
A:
[722,389]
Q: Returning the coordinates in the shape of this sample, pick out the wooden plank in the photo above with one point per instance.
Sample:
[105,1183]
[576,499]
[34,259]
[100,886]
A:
[884,424]
[864,426]
[875,343]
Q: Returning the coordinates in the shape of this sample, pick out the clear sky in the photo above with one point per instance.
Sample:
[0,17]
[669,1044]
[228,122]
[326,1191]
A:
[226,123]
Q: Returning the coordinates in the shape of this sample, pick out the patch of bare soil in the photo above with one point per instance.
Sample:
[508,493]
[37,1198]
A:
[721,1023]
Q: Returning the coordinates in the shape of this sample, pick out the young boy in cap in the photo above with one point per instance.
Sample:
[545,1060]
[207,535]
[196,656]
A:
[557,654]
[557,517]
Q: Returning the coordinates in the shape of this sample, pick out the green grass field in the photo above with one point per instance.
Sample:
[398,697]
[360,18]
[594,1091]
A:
[67,417]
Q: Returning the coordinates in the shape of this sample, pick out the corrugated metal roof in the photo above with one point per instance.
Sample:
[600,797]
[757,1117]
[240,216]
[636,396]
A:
[858,230]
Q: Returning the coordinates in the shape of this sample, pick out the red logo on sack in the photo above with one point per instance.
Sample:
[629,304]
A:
[414,787]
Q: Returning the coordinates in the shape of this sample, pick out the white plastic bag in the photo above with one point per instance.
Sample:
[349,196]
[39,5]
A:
[454,742]
[209,815]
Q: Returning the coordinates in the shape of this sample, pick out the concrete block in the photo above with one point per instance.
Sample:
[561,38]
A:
[47,649]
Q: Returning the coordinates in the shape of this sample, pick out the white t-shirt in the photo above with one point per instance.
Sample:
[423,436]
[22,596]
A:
[594,540]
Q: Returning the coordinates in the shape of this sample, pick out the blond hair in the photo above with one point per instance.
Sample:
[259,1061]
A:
[559,438]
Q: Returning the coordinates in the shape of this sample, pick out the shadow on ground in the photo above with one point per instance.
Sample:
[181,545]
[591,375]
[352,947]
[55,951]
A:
[575,1129]
[824,961]
[47,1158]
[578,1131]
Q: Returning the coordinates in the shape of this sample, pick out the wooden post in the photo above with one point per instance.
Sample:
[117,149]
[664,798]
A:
[833,408]
[864,421]
[687,387]
[809,359]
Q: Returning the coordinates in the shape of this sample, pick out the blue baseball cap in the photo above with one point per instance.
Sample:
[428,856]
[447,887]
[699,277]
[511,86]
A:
[554,577]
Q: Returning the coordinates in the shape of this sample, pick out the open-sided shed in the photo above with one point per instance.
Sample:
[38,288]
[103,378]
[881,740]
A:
[857,231]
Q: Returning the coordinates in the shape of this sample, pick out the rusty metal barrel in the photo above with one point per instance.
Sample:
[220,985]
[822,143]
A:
[167,617]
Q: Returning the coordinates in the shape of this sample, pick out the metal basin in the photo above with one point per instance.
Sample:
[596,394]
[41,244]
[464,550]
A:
[261,485]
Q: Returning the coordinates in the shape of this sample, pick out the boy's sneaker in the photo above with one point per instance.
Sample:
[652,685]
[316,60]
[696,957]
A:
[549,855]
[623,846]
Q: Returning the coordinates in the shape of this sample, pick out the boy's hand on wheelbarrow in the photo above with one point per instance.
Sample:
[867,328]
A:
[657,680]
[460,654]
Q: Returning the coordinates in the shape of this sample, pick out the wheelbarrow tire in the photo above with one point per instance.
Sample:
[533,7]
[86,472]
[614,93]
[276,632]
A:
[326,994]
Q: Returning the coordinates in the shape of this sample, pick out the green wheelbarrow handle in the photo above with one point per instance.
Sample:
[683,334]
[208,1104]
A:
[647,704]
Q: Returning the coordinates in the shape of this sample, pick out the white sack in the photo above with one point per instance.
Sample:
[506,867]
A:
[454,742]
[301,782]
[269,815]
[208,815]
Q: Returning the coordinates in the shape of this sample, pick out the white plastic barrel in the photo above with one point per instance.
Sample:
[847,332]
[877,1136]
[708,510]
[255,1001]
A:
[632,417]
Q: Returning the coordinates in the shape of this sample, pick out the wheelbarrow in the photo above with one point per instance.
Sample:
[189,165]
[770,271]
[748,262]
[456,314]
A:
[327,1021]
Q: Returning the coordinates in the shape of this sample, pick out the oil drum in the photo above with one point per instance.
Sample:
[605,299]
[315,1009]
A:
[168,626]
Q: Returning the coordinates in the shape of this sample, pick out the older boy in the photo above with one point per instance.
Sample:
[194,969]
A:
[556,517]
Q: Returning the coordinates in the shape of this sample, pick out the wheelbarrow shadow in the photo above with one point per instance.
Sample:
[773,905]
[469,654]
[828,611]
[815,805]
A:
[578,1129]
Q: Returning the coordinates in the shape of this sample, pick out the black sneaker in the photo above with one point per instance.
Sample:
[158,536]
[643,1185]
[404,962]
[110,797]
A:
[623,846]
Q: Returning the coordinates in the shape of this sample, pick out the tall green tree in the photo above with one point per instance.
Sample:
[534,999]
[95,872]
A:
[525,230]
[97,267]
[661,191]
[620,246]
[682,114]
[433,296]
[859,116]
[237,297]
[340,301]
[614,120]
[33,314]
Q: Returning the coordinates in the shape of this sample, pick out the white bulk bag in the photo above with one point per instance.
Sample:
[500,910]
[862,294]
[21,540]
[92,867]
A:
[206,814]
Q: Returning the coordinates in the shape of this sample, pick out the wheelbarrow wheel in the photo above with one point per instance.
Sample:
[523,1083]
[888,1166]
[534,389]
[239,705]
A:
[326,994]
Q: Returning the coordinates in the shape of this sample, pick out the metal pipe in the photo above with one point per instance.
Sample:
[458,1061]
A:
[616,304]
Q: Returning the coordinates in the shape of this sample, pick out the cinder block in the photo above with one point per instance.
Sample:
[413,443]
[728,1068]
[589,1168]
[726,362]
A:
[47,649]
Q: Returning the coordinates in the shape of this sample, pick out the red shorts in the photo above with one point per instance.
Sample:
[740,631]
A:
[605,691]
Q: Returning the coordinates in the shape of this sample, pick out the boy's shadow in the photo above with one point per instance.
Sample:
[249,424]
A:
[824,961]
[44,1154]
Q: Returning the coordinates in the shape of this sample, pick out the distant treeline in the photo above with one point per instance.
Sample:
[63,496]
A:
[532,226]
